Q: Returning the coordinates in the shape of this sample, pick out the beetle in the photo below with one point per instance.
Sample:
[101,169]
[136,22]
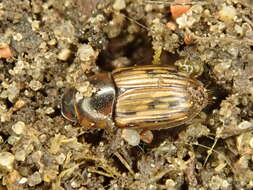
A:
[138,97]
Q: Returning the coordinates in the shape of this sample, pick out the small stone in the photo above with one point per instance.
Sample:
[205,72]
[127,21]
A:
[227,13]
[23,180]
[64,54]
[121,62]
[131,136]
[171,25]
[5,52]
[19,68]
[6,161]
[18,127]
[52,42]
[217,182]
[245,125]
[13,91]
[178,10]
[87,53]
[65,31]
[18,37]
[238,29]
[49,110]
[119,5]
[19,104]
[82,87]
[61,158]
[34,179]
[13,139]
[75,184]
[170,183]
[184,21]
[20,155]
[1,140]
[35,85]
[146,136]
[35,25]
[43,138]
[36,156]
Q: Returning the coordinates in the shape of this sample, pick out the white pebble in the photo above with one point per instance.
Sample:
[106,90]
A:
[18,127]
[6,161]
[227,13]
[119,5]
[23,180]
[86,53]
[13,139]
[64,54]
[35,85]
[131,136]
[245,125]
[20,155]
[34,179]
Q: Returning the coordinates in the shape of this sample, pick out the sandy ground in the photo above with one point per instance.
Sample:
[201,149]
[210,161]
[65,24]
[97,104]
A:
[55,44]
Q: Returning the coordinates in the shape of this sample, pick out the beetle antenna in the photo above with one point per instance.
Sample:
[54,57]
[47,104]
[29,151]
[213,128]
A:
[135,21]
[157,52]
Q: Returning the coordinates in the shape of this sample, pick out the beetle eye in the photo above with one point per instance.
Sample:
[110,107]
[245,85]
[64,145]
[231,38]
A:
[67,104]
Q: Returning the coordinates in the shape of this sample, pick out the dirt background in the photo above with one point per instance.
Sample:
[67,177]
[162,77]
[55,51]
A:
[57,43]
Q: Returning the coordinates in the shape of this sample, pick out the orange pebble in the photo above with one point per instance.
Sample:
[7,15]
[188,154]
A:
[178,10]
[187,39]
[171,25]
[146,136]
[5,52]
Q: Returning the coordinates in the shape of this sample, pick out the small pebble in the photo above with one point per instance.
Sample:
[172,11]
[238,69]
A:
[86,53]
[64,54]
[171,25]
[13,91]
[23,180]
[13,139]
[49,110]
[131,136]
[121,62]
[178,10]
[75,184]
[146,136]
[18,127]
[6,161]
[61,158]
[245,125]
[34,179]
[119,5]
[35,85]
[19,104]
[18,37]
[227,13]
[5,52]
[20,155]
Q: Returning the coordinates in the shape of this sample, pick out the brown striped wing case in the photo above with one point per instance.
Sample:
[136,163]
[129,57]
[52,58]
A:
[156,97]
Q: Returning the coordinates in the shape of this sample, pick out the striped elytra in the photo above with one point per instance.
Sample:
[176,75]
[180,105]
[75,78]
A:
[148,97]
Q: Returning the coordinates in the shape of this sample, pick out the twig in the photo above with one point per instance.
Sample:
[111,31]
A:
[124,162]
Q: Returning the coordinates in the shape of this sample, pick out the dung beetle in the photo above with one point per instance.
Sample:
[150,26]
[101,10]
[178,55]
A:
[138,97]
